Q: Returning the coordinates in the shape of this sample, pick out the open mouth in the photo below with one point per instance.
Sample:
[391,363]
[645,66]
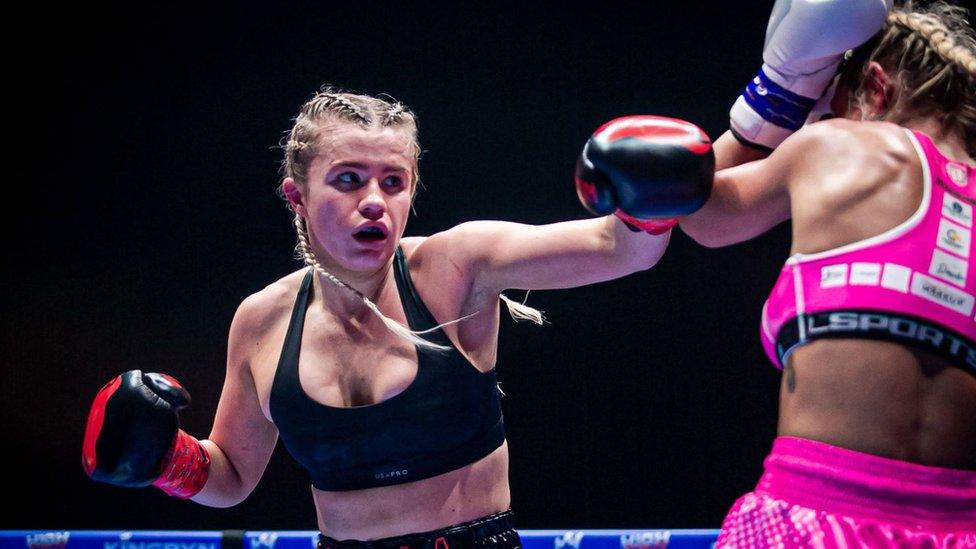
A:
[370,234]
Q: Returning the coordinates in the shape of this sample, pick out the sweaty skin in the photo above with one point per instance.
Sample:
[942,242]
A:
[842,181]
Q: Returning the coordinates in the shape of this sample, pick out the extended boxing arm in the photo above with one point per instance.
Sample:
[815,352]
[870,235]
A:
[646,170]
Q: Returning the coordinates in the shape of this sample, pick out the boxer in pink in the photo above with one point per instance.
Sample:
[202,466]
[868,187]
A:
[872,318]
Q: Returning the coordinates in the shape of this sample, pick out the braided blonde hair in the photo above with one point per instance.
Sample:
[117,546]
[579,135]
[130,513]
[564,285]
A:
[301,146]
[931,51]
[301,143]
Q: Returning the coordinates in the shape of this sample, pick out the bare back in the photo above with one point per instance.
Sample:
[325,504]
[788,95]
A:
[872,396]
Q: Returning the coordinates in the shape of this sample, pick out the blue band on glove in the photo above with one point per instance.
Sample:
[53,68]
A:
[777,104]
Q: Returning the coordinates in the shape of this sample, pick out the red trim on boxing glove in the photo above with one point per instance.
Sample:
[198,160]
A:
[185,467]
[96,418]
[586,191]
[671,131]
[650,226]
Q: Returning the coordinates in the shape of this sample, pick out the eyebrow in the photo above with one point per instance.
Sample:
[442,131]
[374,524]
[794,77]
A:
[361,166]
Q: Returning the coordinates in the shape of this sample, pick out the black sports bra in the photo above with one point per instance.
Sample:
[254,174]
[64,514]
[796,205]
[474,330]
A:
[448,417]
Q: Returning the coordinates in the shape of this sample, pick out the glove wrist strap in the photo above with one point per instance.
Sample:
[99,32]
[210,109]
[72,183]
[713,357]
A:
[650,226]
[775,103]
[185,467]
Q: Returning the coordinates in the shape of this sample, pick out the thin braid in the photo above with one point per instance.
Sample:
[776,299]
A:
[295,147]
[328,101]
[929,54]
[399,329]
[937,36]
[393,115]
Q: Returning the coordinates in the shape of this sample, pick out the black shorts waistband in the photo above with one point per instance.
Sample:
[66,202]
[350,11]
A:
[496,530]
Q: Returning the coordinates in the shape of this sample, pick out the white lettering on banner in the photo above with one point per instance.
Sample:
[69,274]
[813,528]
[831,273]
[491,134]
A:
[832,276]
[954,209]
[157,545]
[569,539]
[646,540]
[48,538]
[264,539]
[938,292]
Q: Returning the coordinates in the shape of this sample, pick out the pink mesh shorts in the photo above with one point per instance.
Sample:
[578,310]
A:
[813,494]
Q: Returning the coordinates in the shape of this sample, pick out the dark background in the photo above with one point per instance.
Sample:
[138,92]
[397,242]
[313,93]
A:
[140,211]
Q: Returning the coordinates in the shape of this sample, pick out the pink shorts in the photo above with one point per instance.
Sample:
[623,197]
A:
[813,494]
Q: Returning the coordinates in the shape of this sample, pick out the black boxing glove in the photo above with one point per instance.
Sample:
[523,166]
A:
[133,439]
[647,170]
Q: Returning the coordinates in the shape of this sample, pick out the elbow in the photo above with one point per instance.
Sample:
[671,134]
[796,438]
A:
[709,237]
[709,241]
[647,255]
[630,251]
[217,503]
[225,504]
[221,499]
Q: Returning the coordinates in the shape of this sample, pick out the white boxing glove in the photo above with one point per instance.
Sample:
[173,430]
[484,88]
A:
[805,42]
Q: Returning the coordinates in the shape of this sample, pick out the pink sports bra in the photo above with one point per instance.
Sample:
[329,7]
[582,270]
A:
[913,284]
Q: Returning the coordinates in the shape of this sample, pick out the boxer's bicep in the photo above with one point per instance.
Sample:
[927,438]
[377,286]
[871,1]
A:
[751,198]
[501,255]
